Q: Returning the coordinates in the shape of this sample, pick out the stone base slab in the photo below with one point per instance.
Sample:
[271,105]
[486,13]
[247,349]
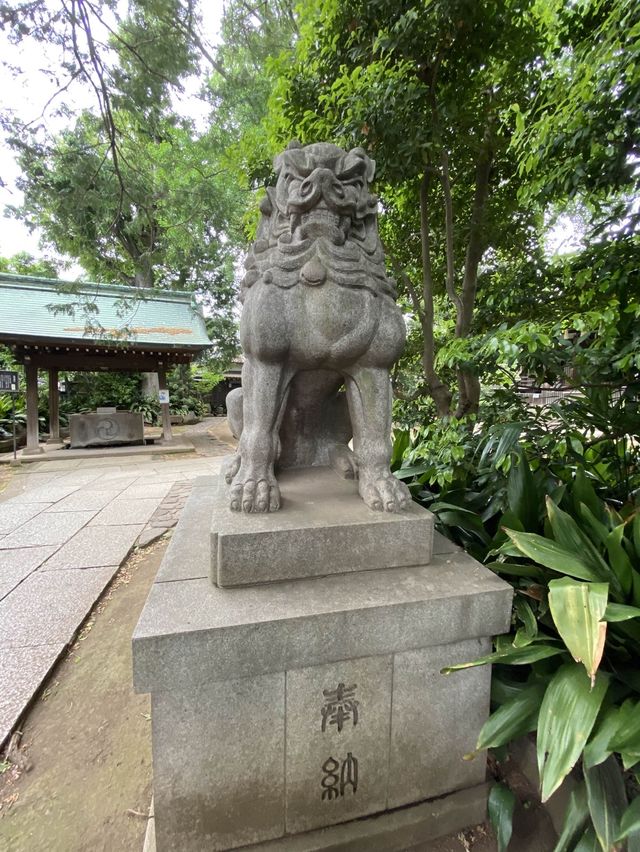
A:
[322,528]
[99,430]
[395,831]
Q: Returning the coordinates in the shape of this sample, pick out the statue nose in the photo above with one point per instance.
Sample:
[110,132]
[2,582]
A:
[323,179]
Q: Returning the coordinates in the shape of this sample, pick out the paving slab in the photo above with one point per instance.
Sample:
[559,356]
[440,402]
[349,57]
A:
[95,546]
[121,511]
[48,528]
[15,565]
[22,670]
[146,489]
[44,494]
[13,515]
[78,477]
[85,498]
[49,606]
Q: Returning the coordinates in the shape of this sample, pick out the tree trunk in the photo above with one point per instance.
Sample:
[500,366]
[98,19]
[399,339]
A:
[144,278]
[468,382]
[440,393]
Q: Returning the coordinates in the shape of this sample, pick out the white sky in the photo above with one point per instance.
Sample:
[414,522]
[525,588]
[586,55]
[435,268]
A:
[27,96]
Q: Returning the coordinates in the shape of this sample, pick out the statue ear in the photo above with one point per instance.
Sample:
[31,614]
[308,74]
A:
[277,163]
[371,169]
[369,163]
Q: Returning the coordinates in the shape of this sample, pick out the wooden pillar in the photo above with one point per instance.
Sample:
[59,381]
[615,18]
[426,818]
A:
[54,408]
[33,446]
[167,435]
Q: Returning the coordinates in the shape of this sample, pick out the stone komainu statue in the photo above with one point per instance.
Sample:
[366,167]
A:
[319,316]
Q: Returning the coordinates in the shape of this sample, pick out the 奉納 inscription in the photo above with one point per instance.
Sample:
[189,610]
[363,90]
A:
[340,706]
[338,777]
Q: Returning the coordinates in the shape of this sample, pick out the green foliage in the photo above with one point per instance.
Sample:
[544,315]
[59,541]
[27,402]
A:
[584,700]
[88,391]
[149,407]
[24,263]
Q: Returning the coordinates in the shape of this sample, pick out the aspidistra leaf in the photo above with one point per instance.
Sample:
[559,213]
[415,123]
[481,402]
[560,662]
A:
[577,609]
[567,715]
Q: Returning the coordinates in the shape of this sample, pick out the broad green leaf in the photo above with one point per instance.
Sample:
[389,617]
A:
[551,555]
[630,820]
[567,715]
[607,800]
[619,559]
[588,842]
[568,534]
[626,738]
[597,530]
[577,610]
[620,612]
[511,656]
[583,491]
[597,749]
[575,819]
[636,533]
[410,472]
[522,493]
[515,570]
[512,719]
[500,806]
[528,632]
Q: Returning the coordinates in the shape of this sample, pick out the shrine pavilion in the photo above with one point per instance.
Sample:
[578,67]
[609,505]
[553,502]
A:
[58,325]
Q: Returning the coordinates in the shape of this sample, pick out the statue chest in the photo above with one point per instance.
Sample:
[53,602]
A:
[327,325]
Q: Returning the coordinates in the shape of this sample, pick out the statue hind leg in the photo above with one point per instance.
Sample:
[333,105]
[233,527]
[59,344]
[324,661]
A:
[369,396]
[253,484]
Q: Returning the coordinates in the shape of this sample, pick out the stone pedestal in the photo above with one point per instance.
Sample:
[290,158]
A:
[311,713]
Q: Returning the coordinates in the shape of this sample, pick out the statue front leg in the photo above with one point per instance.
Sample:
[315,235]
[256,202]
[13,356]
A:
[369,397]
[253,486]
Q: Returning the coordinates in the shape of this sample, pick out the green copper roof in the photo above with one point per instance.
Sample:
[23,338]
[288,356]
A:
[100,312]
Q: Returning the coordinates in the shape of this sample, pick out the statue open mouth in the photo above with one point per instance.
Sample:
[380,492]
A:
[320,222]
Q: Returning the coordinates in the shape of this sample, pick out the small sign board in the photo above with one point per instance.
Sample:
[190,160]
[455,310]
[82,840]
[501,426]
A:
[8,381]
[163,397]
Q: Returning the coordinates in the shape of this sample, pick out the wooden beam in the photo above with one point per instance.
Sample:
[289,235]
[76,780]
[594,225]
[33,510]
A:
[87,362]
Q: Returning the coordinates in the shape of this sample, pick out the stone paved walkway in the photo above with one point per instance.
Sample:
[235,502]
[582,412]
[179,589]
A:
[65,528]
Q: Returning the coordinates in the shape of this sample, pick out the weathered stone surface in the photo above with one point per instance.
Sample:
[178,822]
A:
[410,828]
[17,564]
[42,493]
[95,430]
[149,535]
[436,721]
[22,670]
[227,633]
[397,831]
[319,313]
[85,499]
[147,490]
[189,556]
[338,723]
[47,607]
[121,511]
[48,528]
[323,528]
[218,778]
[13,515]
[94,547]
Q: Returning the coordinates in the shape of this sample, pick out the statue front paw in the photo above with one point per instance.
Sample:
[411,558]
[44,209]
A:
[383,492]
[254,492]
